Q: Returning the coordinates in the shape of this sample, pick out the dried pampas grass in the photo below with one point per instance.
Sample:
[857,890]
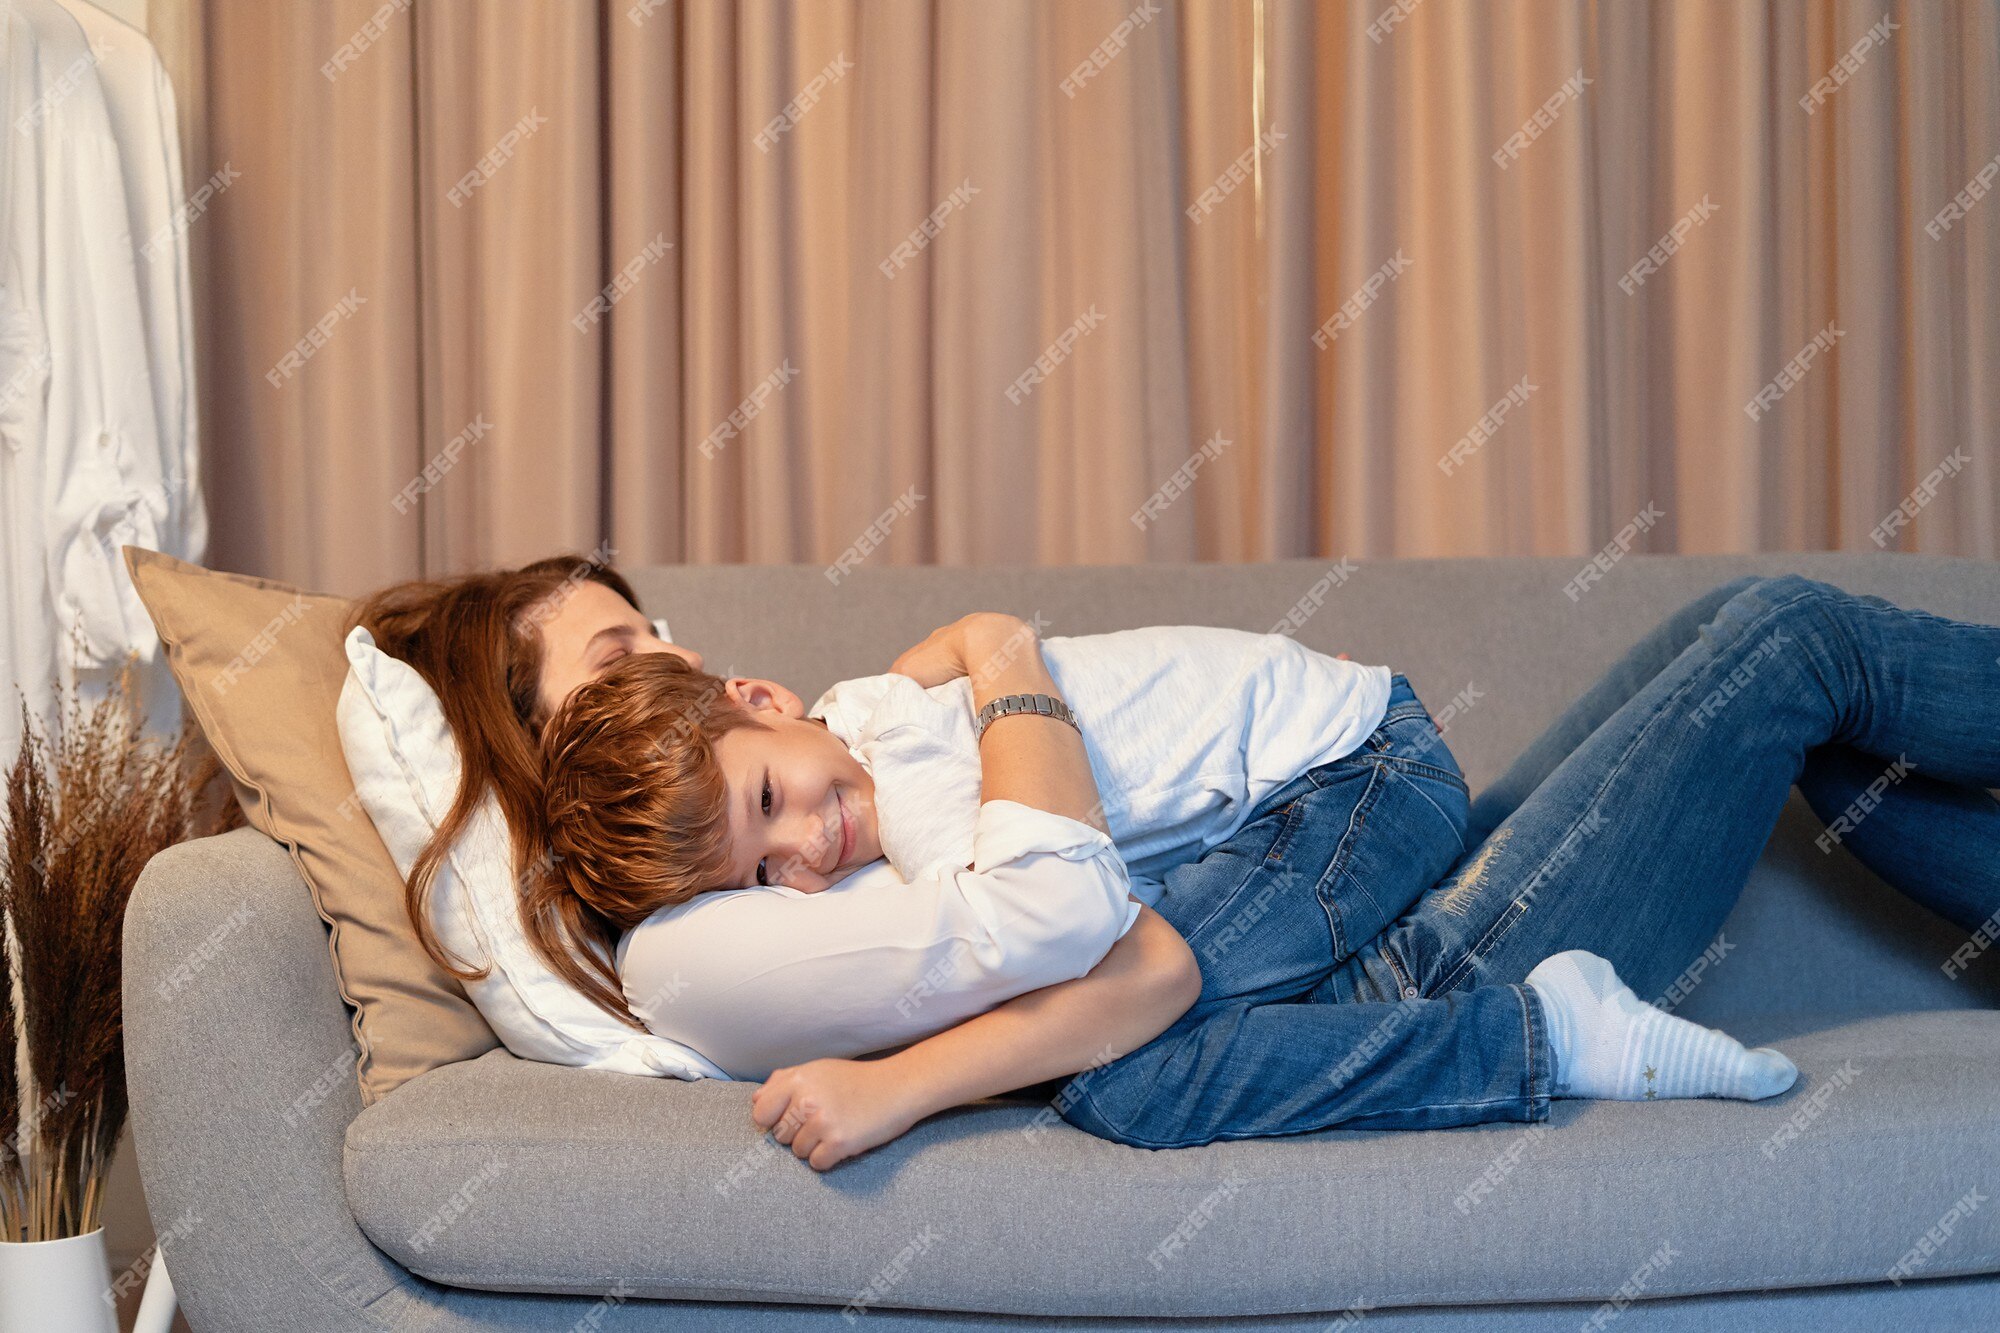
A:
[84,814]
[13,1183]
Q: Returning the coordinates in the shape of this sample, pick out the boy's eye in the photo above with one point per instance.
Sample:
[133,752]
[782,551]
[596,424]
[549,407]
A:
[762,878]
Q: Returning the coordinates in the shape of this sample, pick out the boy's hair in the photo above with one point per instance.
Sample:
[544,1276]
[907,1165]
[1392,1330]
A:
[636,804]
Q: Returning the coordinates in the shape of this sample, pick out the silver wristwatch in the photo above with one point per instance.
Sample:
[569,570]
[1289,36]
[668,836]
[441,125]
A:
[1045,704]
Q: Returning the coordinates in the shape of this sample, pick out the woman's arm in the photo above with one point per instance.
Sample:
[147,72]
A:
[829,1110]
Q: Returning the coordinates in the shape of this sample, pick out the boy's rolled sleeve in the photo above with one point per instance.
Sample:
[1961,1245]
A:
[1015,840]
[757,979]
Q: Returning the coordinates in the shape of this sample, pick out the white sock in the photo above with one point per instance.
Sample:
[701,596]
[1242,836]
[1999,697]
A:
[1611,1044]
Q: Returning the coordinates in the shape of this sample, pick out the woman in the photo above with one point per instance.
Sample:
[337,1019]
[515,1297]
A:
[1589,842]
[496,647]
[503,649]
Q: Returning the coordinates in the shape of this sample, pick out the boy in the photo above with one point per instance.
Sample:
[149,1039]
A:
[680,790]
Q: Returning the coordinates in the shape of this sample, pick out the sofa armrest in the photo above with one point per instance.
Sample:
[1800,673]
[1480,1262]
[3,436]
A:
[241,1068]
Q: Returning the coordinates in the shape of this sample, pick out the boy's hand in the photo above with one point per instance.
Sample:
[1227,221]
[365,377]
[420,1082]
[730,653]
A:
[827,1111]
[960,648]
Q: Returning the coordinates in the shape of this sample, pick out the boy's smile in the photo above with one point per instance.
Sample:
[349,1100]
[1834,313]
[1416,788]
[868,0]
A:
[801,808]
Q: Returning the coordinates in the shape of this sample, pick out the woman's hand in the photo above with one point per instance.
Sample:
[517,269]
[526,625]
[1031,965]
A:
[827,1111]
[959,648]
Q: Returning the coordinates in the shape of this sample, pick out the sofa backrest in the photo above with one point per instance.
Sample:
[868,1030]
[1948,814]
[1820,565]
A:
[1518,639]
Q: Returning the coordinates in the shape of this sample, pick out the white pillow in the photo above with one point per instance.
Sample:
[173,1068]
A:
[405,766]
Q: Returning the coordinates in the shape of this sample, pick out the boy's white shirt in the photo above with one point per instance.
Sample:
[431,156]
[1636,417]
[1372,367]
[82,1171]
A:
[1187,729]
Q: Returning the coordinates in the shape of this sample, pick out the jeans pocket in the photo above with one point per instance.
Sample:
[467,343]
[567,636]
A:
[1444,790]
[1198,894]
[1407,835]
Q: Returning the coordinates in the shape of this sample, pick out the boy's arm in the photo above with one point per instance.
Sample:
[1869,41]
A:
[829,1110]
[1029,758]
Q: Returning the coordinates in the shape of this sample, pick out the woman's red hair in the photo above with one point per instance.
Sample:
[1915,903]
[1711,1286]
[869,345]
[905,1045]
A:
[476,639]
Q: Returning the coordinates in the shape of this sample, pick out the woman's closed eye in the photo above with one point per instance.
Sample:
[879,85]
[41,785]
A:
[762,878]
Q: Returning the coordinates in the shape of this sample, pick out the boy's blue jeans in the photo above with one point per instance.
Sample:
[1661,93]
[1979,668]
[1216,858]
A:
[1363,938]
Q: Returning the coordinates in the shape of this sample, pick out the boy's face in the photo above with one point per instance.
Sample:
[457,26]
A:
[801,807]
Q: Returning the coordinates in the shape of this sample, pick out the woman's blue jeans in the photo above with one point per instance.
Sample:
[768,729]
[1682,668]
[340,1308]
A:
[1364,936]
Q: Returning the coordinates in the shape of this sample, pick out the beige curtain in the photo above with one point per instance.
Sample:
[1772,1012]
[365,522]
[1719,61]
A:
[1163,203]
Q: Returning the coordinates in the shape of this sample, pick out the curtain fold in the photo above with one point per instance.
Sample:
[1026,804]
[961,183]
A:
[306,301]
[1107,280]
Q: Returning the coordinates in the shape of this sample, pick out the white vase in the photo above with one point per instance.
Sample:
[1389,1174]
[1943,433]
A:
[56,1286]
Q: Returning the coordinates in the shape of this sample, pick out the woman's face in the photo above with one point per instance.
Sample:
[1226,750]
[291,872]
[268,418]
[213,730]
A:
[587,627]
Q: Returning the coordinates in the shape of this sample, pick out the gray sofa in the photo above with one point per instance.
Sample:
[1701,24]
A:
[502,1194]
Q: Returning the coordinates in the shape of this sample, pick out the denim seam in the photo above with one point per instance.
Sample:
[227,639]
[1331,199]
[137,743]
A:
[1420,766]
[1337,863]
[1358,759]
[1378,740]
[1428,800]
[1509,918]
[1667,706]
[1282,843]
[1408,988]
[1133,1141]
[1402,712]
[1447,1106]
[1540,1079]
[1840,632]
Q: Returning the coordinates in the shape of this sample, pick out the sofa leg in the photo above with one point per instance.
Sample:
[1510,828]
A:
[156,1307]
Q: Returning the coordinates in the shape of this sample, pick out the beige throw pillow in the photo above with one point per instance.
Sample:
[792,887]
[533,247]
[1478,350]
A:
[261,666]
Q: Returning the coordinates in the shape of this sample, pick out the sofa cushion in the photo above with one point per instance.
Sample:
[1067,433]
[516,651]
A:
[591,1178]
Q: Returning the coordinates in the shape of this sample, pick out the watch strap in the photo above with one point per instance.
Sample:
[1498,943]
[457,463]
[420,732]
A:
[1046,705]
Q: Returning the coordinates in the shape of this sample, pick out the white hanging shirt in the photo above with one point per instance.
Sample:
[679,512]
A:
[27,640]
[84,464]
[1187,730]
[71,270]
[140,101]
